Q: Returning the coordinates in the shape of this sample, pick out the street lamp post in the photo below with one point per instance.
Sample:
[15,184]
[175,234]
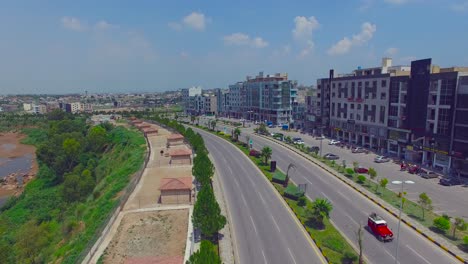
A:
[402,183]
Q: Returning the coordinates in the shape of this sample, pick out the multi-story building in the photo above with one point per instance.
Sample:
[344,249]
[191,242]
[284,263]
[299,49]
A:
[318,107]
[359,103]
[189,99]
[222,97]
[236,100]
[269,98]
[209,104]
[459,143]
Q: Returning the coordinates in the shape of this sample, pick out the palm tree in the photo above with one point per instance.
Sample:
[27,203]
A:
[266,154]
[237,133]
[318,210]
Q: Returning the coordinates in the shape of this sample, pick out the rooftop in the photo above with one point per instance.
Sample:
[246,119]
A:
[171,184]
[175,136]
[180,152]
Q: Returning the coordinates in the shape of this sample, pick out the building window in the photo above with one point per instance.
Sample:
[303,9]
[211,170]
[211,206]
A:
[393,111]
[358,107]
[351,116]
[382,114]
[333,95]
[352,106]
[383,83]
[383,96]
[443,122]
[374,84]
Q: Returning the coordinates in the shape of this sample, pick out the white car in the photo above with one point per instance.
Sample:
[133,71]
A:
[333,142]
[299,142]
[381,159]
[320,137]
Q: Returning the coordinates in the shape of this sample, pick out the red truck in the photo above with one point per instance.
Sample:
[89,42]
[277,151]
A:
[379,227]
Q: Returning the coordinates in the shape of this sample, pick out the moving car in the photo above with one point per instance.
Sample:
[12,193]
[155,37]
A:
[381,159]
[379,227]
[330,156]
[333,142]
[428,174]
[361,170]
[320,137]
[357,150]
[414,169]
[449,181]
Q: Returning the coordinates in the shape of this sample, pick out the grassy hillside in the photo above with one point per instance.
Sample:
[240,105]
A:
[62,211]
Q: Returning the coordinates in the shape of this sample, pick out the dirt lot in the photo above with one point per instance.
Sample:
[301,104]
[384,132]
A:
[10,146]
[149,237]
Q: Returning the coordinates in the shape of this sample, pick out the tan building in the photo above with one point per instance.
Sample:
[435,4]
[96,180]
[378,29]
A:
[176,190]
[175,139]
[180,156]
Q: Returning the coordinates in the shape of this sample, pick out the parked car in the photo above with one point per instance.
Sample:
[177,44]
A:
[333,142]
[330,156]
[255,153]
[320,137]
[414,169]
[358,150]
[379,227]
[428,174]
[361,170]
[381,159]
[449,181]
[298,141]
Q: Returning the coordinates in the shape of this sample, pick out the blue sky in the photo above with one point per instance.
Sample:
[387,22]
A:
[121,46]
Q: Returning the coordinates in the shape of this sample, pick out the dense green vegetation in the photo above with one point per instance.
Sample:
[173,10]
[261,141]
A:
[206,213]
[82,173]
[14,122]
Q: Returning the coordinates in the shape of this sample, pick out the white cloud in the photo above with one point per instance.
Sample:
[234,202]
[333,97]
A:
[391,52]
[73,23]
[104,25]
[196,21]
[307,50]
[365,5]
[397,2]
[241,39]
[304,27]
[344,46]
[460,7]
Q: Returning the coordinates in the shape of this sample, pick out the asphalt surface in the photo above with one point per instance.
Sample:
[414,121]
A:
[264,229]
[451,200]
[352,209]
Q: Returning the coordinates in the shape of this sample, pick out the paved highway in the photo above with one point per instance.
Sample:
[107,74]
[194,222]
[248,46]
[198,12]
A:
[264,230]
[451,200]
[352,209]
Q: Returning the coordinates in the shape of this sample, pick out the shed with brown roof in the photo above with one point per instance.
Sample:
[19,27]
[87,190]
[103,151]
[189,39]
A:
[180,156]
[150,131]
[176,190]
[175,139]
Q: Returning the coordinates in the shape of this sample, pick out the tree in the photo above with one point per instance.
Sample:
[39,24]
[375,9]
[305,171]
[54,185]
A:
[372,173]
[465,241]
[237,133]
[266,154]
[205,255]
[207,214]
[355,164]
[359,235]
[425,202]
[72,149]
[192,119]
[442,223]
[33,241]
[262,129]
[97,138]
[318,210]
[460,225]
[383,183]
[213,124]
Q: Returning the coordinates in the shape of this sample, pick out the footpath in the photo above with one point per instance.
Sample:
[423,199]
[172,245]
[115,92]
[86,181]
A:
[148,228]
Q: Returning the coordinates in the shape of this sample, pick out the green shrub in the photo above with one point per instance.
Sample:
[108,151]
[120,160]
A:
[334,244]
[301,201]
[349,171]
[442,223]
[465,241]
[361,178]
[349,257]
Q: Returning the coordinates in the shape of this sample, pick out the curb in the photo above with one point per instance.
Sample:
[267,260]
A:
[276,191]
[373,200]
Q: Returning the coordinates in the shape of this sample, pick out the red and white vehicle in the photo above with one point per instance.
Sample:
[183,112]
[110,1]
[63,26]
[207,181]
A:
[379,227]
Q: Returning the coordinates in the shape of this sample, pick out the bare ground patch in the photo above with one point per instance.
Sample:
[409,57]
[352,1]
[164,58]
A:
[153,236]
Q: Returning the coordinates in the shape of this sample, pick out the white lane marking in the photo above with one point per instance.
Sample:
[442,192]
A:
[419,255]
[261,198]
[255,228]
[290,253]
[347,215]
[276,224]
[386,251]
[237,184]
[245,202]
[307,180]
[328,198]
[264,257]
